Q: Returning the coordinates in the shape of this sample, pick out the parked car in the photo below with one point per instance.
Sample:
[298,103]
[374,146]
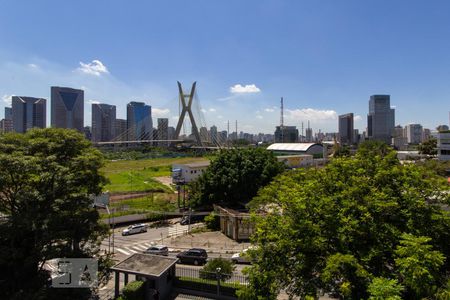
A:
[191,219]
[242,257]
[137,228]
[195,256]
[158,250]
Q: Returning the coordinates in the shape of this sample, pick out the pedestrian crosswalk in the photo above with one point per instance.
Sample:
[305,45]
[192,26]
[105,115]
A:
[133,248]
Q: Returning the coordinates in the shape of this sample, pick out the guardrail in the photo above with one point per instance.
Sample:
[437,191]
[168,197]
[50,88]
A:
[178,229]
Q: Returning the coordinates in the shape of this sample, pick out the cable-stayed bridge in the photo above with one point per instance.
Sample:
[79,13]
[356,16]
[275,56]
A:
[138,133]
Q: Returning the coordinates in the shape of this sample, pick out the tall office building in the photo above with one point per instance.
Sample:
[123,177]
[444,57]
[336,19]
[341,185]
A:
[287,134]
[103,122]
[213,134]
[309,135]
[8,113]
[163,131]
[28,112]
[381,118]
[346,129]
[121,130]
[171,132]
[67,108]
[414,133]
[6,126]
[204,136]
[139,121]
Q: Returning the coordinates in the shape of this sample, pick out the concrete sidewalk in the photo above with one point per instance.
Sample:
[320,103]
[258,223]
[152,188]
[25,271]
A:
[213,241]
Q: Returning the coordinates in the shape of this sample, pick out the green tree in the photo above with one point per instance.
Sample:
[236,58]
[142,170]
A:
[46,177]
[418,265]
[212,221]
[385,289]
[335,228]
[428,147]
[235,176]
[209,271]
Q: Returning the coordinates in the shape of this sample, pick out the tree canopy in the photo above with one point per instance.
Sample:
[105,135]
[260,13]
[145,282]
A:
[428,147]
[46,177]
[362,226]
[235,176]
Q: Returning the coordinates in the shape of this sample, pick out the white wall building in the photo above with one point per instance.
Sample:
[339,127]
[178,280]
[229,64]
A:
[443,145]
[185,173]
[296,161]
[414,133]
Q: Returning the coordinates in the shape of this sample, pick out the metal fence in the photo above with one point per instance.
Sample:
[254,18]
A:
[216,283]
[177,229]
[207,276]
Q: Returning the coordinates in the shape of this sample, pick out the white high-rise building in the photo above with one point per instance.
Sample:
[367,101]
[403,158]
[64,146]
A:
[414,133]
[443,145]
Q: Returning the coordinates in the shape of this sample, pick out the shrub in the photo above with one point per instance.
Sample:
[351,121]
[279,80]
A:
[134,290]
[212,221]
[209,271]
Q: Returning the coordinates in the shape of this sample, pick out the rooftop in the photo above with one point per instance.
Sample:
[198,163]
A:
[145,264]
[195,164]
[291,146]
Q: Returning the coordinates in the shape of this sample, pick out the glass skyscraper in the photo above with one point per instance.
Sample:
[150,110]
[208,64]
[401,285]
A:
[103,122]
[139,121]
[346,130]
[28,112]
[381,118]
[67,108]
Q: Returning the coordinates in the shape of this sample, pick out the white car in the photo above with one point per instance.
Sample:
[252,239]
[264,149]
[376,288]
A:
[137,228]
[158,250]
[241,257]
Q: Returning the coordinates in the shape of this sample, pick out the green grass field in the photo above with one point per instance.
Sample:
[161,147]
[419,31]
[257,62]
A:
[156,202]
[138,175]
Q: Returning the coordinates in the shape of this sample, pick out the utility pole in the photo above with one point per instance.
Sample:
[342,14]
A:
[302,132]
[282,121]
[228,133]
[236,131]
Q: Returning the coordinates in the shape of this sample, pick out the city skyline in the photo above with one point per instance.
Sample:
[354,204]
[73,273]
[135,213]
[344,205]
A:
[325,59]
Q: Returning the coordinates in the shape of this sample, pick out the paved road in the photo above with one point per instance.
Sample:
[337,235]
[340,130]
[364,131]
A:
[125,246]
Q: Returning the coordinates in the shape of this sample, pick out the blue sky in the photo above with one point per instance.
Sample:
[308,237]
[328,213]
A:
[325,57]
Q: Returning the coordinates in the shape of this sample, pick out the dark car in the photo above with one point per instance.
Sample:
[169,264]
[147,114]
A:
[194,256]
[191,219]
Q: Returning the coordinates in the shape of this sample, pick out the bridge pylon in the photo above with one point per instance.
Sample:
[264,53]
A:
[187,108]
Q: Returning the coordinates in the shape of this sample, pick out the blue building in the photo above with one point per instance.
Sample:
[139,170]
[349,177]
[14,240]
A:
[139,121]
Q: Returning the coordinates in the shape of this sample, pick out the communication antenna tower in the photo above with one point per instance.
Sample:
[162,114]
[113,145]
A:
[282,121]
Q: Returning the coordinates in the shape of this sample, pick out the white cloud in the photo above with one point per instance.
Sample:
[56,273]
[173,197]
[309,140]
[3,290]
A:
[33,66]
[269,110]
[161,112]
[226,98]
[212,109]
[7,99]
[203,110]
[311,114]
[93,102]
[219,117]
[259,117]
[357,118]
[95,67]
[247,89]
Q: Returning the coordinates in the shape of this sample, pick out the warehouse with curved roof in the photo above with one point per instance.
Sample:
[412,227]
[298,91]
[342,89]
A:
[314,149]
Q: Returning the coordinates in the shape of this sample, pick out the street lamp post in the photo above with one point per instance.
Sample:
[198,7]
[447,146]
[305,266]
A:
[218,280]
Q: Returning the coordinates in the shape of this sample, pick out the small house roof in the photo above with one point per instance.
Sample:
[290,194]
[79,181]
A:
[145,264]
